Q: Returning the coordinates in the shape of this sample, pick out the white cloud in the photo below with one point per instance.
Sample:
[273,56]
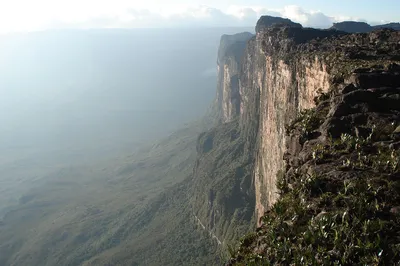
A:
[46,14]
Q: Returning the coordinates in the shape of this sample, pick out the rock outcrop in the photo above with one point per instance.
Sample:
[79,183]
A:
[394,26]
[362,27]
[352,26]
[270,21]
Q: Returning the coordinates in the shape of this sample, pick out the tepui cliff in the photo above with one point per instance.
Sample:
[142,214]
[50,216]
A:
[308,133]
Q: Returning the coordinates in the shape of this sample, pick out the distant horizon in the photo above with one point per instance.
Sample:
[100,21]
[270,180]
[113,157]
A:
[16,33]
[250,28]
[41,15]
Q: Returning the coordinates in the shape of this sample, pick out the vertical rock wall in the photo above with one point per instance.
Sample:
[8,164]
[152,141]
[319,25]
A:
[276,83]
[265,81]
[228,65]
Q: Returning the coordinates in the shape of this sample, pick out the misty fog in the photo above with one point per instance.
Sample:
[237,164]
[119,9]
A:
[73,96]
[92,89]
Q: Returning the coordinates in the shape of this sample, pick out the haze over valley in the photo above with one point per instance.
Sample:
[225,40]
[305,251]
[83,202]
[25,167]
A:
[72,96]
[96,120]
[161,133]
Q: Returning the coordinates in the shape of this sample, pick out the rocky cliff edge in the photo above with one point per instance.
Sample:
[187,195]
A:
[324,109]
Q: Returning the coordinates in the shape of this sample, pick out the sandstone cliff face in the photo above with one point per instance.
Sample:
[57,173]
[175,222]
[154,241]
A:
[264,85]
[342,175]
[283,68]
[327,107]
[229,55]
[284,83]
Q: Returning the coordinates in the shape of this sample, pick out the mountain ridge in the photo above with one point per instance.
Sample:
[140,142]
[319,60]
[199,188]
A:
[360,27]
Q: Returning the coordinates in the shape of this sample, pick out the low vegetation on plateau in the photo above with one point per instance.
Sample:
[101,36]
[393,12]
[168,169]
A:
[340,204]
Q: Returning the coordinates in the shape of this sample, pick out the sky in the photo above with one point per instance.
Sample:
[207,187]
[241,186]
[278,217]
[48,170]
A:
[32,15]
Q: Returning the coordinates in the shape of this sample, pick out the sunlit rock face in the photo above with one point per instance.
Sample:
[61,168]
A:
[274,75]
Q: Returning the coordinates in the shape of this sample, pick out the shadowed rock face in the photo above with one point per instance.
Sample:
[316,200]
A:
[269,21]
[229,57]
[360,27]
[352,26]
[223,195]
[232,45]
[394,26]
